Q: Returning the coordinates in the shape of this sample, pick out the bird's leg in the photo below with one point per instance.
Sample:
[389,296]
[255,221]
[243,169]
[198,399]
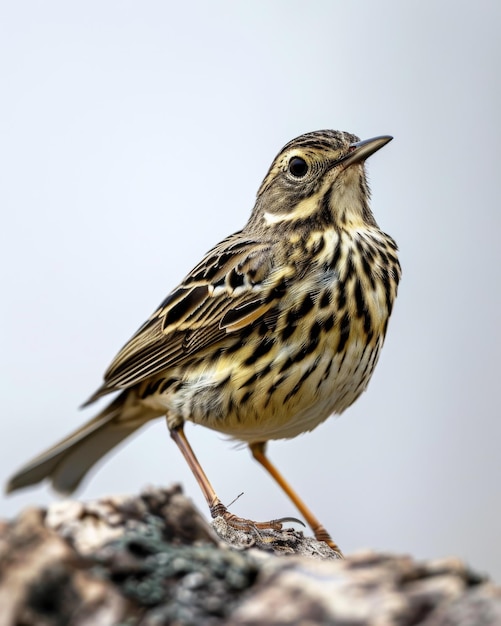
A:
[216,507]
[321,534]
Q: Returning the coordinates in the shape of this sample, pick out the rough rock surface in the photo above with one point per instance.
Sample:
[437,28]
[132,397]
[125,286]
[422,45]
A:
[152,559]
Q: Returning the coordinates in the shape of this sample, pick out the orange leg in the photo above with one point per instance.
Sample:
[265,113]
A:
[216,507]
[258,452]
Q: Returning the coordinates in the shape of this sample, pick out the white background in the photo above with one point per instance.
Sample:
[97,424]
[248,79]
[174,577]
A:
[133,137]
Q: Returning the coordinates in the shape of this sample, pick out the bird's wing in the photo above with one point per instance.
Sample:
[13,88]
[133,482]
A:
[236,284]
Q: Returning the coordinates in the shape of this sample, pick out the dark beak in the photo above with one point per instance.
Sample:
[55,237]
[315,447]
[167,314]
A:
[362,150]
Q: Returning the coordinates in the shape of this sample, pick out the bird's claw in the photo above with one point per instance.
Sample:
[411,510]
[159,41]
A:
[241,523]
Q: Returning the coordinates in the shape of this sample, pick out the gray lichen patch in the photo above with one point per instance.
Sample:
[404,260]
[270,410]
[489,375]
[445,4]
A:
[188,584]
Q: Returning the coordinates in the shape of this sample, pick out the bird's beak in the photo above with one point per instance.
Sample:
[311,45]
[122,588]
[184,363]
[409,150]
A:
[362,150]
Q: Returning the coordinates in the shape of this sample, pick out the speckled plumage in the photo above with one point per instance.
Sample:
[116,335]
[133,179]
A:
[278,327]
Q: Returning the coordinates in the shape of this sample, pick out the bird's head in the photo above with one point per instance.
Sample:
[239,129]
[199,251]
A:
[317,179]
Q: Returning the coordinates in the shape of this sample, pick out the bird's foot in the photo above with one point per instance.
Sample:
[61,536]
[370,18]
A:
[247,525]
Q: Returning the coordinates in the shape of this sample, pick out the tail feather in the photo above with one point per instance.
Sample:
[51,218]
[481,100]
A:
[66,463]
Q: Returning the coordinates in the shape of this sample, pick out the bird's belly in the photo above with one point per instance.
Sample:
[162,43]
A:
[275,398]
[320,387]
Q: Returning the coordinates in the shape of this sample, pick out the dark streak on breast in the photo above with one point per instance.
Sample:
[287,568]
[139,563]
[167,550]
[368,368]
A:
[325,299]
[263,348]
[344,332]
[300,382]
[336,256]
[341,295]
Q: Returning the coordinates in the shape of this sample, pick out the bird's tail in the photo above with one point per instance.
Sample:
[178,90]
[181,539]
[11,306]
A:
[66,463]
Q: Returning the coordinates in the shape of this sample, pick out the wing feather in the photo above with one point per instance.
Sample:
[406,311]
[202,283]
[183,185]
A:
[230,289]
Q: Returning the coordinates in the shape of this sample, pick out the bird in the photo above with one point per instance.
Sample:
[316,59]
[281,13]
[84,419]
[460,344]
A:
[277,328]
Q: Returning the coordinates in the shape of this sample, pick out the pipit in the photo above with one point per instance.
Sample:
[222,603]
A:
[277,328]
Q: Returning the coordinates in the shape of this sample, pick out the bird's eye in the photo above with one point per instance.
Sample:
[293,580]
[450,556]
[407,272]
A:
[298,167]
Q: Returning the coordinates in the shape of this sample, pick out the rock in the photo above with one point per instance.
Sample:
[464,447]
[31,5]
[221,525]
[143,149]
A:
[363,589]
[43,581]
[152,559]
